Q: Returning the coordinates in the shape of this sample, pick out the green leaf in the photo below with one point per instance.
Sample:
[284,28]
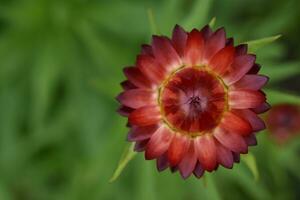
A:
[254,45]
[127,156]
[275,97]
[279,72]
[212,22]
[152,22]
[250,160]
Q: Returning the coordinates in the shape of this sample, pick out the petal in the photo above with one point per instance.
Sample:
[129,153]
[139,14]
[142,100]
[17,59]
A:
[179,38]
[233,123]
[224,156]
[137,98]
[199,171]
[124,111]
[178,147]
[165,53]
[206,32]
[229,42]
[236,157]
[127,85]
[188,163]
[251,82]
[240,66]
[206,150]
[222,60]
[194,48]
[138,133]
[232,141]
[162,162]
[241,49]
[158,143]
[136,77]
[150,68]
[242,99]
[262,108]
[140,145]
[257,124]
[145,116]
[255,69]
[251,140]
[215,43]
[147,50]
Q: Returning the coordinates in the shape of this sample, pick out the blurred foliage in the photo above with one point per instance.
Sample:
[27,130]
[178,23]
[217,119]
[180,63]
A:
[61,65]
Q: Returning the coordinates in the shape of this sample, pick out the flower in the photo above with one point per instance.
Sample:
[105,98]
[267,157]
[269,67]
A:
[283,121]
[192,101]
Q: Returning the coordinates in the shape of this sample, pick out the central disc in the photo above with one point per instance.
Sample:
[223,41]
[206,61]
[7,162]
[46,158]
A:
[193,100]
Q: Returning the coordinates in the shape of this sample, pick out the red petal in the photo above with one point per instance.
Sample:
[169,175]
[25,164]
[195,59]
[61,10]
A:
[178,148]
[145,116]
[136,98]
[232,141]
[147,50]
[229,42]
[138,133]
[206,32]
[188,163]
[151,69]
[179,38]
[251,82]
[256,123]
[127,85]
[251,140]
[199,171]
[165,53]
[240,66]
[162,162]
[242,99]
[194,48]
[124,111]
[236,157]
[255,69]
[158,143]
[215,43]
[222,60]
[136,77]
[233,123]
[241,49]
[206,149]
[140,145]
[262,108]
[224,156]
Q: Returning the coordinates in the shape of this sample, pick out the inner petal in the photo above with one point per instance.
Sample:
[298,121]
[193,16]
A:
[193,100]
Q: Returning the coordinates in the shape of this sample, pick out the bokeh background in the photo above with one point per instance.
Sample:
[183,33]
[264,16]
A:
[60,67]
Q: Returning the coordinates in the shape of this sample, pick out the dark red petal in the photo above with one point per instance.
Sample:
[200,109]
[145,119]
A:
[151,69]
[145,116]
[194,48]
[251,140]
[240,66]
[125,111]
[224,156]
[188,163]
[242,99]
[229,42]
[206,32]
[262,108]
[147,50]
[215,43]
[236,157]
[257,124]
[165,53]
[232,141]
[251,82]
[179,38]
[207,152]
[162,162]
[140,146]
[136,98]
[178,147]
[127,85]
[199,171]
[233,123]
[136,77]
[158,143]
[222,60]
[255,69]
[241,49]
[138,133]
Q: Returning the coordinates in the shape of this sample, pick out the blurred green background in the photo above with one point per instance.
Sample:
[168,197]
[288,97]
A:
[60,68]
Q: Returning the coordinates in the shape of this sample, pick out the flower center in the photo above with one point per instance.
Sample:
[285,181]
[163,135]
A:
[193,101]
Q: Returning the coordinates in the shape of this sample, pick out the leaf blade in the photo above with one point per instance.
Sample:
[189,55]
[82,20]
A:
[254,45]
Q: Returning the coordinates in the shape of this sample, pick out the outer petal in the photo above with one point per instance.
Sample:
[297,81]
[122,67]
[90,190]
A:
[179,38]
[255,69]
[136,77]
[137,98]
[138,133]
[145,116]
[199,171]
[127,85]
[251,140]
[124,111]
[188,163]
[206,32]
[233,123]
[256,123]
[242,99]
[240,66]
[147,50]
[224,156]
[241,49]
[232,141]
[194,48]
[178,147]
[162,162]
[141,145]
[165,53]
[207,152]
[159,143]
[215,43]
[236,157]
[222,60]
[251,82]
[262,108]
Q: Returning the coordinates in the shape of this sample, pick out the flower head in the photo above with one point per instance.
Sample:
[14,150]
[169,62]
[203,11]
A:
[192,101]
[283,121]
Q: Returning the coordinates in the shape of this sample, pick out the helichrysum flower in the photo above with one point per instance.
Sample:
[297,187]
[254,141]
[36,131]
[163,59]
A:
[283,122]
[192,101]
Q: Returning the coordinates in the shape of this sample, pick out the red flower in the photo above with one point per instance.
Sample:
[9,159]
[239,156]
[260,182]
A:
[283,121]
[192,101]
